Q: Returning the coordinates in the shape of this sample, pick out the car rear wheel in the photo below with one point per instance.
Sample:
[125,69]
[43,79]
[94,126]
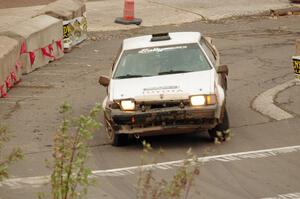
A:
[115,138]
[221,132]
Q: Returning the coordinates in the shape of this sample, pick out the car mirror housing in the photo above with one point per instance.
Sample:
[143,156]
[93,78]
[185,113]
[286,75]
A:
[223,69]
[209,39]
[104,80]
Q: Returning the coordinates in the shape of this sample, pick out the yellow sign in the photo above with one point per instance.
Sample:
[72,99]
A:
[296,64]
[67,30]
[75,31]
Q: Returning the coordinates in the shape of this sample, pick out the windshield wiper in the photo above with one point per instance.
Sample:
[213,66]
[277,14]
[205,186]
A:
[130,76]
[173,72]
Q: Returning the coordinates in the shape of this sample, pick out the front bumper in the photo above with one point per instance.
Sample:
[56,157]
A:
[151,121]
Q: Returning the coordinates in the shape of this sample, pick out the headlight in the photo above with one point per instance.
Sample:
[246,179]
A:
[128,105]
[201,100]
[198,100]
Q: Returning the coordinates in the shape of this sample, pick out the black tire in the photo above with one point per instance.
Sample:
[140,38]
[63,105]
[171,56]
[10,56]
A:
[222,127]
[119,140]
[115,138]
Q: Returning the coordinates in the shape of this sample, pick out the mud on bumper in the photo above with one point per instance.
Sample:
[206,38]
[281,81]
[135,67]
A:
[138,122]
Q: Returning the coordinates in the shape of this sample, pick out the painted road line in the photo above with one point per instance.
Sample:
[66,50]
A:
[16,183]
[285,196]
[264,102]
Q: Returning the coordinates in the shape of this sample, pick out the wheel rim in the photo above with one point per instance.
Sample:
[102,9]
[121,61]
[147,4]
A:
[110,131]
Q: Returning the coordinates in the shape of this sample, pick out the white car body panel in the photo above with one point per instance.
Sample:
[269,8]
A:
[173,87]
[221,97]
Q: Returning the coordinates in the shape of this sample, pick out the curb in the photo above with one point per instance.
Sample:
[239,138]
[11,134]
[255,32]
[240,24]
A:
[295,10]
[264,102]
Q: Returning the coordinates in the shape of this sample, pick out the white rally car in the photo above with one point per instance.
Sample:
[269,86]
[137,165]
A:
[163,84]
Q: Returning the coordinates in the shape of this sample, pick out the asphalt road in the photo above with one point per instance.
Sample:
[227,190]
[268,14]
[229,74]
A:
[258,53]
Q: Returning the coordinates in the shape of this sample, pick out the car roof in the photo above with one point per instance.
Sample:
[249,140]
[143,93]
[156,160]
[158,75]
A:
[176,38]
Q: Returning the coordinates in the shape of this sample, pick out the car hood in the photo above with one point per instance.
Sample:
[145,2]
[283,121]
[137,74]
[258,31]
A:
[163,87]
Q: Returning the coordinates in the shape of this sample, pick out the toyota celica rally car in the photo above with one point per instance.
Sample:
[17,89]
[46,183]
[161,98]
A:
[163,84]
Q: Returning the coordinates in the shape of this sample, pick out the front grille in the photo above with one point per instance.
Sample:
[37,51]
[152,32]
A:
[148,121]
[161,105]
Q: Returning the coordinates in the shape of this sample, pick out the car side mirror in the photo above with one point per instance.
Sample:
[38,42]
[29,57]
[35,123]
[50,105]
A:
[209,39]
[104,80]
[223,69]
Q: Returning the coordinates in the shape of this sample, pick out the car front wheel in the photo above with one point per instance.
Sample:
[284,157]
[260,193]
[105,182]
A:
[115,138]
[221,132]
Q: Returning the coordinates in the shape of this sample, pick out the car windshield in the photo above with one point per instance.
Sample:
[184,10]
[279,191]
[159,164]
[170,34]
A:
[161,61]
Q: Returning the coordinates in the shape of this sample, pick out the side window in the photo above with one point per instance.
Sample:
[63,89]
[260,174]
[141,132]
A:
[208,51]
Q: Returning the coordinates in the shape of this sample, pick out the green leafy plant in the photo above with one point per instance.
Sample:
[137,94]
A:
[70,176]
[179,186]
[12,157]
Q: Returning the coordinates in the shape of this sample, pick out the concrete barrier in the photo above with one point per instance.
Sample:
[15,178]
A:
[9,55]
[21,41]
[35,42]
[42,41]
[64,9]
[72,12]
